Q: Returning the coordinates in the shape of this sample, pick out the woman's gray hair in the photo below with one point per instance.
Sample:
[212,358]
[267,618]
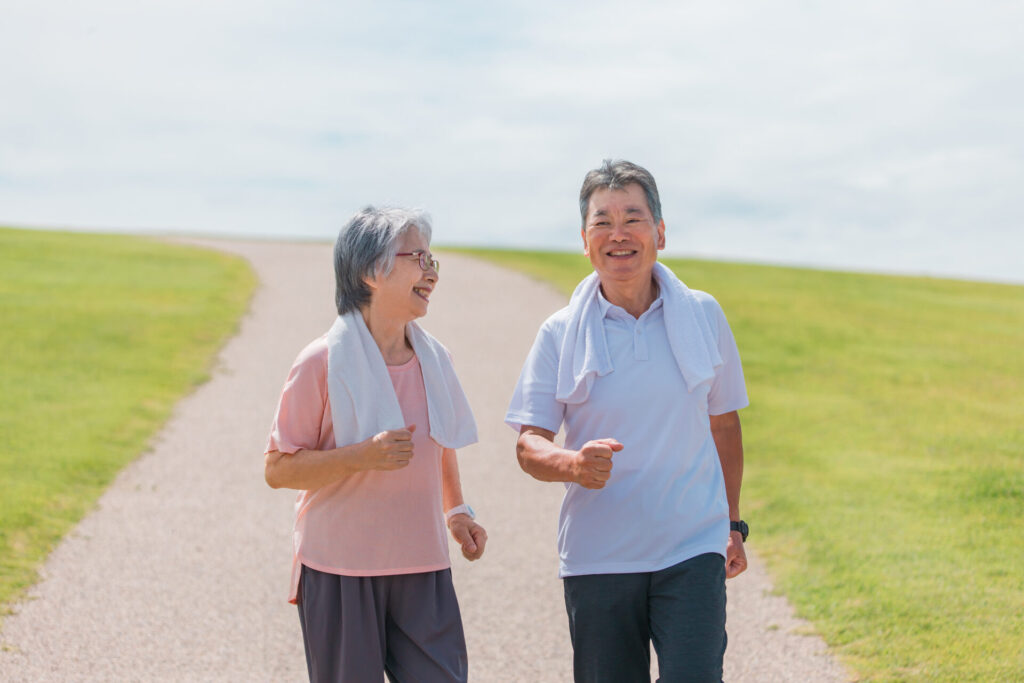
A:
[366,247]
[616,174]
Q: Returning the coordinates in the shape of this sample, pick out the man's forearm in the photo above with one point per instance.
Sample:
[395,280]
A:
[728,436]
[541,458]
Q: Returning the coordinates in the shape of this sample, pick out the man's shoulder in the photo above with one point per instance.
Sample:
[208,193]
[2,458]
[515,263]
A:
[709,304]
[557,322]
[704,298]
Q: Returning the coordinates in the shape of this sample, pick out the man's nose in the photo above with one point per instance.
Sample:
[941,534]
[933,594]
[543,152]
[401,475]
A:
[619,231]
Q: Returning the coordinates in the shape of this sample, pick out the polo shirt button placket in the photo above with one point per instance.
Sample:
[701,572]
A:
[639,343]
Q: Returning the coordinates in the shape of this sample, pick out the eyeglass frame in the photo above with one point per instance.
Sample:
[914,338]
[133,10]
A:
[425,264]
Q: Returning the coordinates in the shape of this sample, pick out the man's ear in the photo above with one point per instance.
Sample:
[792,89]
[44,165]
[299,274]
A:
[586,246]
[661,234]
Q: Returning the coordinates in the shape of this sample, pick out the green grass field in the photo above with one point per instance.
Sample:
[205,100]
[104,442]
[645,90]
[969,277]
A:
[101,335]
[884,479]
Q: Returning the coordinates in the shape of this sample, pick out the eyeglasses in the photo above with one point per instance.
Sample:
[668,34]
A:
[426,260]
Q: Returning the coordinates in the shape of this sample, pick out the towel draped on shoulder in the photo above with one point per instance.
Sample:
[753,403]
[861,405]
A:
[363,399]
[583,354]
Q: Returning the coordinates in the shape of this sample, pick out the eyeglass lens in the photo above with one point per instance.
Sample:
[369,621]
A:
[427,262]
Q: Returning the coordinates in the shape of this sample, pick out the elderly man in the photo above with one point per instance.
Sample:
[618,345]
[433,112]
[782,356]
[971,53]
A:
[645,375]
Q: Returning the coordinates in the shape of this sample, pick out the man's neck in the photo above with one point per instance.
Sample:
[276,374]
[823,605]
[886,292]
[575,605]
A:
[635,298]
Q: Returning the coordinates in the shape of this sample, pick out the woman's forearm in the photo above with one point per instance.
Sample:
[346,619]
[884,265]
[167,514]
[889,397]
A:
[311,469]
[451,483]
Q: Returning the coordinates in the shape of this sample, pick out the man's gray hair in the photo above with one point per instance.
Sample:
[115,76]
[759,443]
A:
[616,174]
[366,246]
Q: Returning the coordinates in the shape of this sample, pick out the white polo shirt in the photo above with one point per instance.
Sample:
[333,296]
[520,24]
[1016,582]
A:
[665,501]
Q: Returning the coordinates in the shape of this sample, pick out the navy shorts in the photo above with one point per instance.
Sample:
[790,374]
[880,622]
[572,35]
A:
[614,618]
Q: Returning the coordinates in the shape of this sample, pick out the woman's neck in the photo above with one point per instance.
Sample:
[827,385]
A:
[389,333]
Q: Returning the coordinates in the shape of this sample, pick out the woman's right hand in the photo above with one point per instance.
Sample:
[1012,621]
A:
[390,450]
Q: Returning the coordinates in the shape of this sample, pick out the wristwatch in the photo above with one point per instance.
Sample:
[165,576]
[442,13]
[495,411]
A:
[459,510]
[741,527]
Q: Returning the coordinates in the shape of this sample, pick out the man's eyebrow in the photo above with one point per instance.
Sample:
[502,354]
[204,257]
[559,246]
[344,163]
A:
[600,212]
[634,209]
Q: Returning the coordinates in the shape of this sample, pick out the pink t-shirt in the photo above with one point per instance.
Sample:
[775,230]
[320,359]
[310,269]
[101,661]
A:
[372,523]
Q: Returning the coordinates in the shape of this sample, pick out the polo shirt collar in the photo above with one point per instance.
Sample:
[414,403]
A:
[610,310]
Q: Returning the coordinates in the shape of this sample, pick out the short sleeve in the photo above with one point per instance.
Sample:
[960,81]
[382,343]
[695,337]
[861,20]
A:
[300,410]
[533,401]
[729,389]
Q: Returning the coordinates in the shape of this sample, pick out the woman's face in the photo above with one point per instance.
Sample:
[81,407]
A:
[405,292]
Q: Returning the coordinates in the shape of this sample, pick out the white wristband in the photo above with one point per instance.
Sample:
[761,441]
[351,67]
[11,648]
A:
[459,510]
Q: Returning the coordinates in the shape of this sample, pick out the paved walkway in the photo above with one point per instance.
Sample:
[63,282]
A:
[181,571]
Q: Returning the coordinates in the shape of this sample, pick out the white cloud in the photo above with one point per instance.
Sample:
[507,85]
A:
[878,135]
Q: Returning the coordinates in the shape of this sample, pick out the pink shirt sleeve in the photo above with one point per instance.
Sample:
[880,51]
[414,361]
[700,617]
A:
[298,423]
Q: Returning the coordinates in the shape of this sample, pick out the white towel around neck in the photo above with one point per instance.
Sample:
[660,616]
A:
[363,399]
[584,352]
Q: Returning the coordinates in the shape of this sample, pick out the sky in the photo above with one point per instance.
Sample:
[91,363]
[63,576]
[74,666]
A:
[879,136]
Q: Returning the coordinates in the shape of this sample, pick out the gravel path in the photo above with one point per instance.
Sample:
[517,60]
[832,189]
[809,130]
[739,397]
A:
[181,571]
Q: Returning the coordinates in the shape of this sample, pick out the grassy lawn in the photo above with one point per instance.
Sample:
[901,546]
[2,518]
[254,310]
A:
[101,335]
[884,479]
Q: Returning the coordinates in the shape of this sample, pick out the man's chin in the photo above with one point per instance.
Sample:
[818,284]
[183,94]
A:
[622,271]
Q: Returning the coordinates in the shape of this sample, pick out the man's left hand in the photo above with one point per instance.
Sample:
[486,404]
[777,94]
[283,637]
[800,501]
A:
[470,535]
[735,556]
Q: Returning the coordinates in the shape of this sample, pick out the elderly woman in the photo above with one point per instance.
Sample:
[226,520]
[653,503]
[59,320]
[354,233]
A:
[366,429]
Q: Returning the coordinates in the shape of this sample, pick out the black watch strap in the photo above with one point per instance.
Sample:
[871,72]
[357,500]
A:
[741,527]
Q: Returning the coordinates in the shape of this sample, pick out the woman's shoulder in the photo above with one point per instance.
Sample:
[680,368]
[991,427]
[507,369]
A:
[432,342]
[313,355]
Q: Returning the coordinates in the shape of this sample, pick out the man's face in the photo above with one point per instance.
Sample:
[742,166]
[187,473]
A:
[620,235]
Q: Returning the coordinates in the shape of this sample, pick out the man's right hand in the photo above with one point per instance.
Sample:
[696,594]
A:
[592,464]
[390,450]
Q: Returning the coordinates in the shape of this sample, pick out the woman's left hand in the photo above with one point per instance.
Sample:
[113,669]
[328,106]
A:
[470,535]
